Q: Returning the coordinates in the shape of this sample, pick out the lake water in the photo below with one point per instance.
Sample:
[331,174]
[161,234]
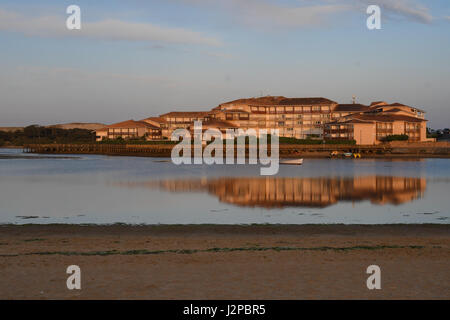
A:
[103,190]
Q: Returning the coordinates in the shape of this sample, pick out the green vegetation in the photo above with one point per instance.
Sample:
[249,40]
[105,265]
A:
[284,140]
[38,134]
[337,141]
[308,141]
[396,137]
[32,240]
[213,250]
[138,141]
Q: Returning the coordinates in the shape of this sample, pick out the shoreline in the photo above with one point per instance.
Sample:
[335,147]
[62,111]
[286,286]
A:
[225,261]
[286,151]
[388,151]
[183,228]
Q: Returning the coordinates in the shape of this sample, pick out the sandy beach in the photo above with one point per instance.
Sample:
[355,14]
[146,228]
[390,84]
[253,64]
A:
[225,262]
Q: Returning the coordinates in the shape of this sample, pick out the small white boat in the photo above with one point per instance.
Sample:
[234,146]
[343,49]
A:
[292,161]
[348,154]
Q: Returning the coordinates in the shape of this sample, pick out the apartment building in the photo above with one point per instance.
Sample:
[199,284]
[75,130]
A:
[293,117]
[129,129]
[184,119]
[160,123]
[343,110]
[299,118]
[379,121]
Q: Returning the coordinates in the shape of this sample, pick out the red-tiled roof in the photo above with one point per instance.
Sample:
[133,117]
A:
[156,119]
[269,100]
[377,102]
[386,118]
[280,100]
[393,110]
[306,101]
[185,114]
[129,124]
[351,107]
[396,104]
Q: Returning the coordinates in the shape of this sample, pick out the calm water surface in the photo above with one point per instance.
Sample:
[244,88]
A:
[103,190]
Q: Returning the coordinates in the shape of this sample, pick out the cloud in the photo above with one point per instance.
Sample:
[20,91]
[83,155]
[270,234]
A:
[260,13]
[54,26]
[268,13]
[408,9]
[256,13]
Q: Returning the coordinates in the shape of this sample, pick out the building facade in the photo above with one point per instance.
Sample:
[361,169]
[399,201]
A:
[300,118]
[380,121]
[294,117]
[129,130]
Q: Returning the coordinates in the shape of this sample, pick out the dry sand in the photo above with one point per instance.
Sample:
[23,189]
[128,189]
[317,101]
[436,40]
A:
[265,262]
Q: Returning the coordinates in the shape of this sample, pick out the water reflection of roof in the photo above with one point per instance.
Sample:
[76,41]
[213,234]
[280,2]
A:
[282,192]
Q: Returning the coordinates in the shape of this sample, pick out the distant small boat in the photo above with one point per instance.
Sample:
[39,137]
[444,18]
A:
[348,154]
[292,162]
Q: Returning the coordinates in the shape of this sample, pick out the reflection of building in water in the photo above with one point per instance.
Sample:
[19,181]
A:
[302,192]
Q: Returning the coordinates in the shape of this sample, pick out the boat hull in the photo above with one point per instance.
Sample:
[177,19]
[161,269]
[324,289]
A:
[292,162]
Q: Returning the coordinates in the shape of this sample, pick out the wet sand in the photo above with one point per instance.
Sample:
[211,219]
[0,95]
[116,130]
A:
[225,262]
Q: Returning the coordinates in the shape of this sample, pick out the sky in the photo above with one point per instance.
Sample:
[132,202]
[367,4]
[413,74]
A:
[139,58]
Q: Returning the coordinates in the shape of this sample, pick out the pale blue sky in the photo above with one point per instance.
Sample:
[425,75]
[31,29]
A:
[134,59]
